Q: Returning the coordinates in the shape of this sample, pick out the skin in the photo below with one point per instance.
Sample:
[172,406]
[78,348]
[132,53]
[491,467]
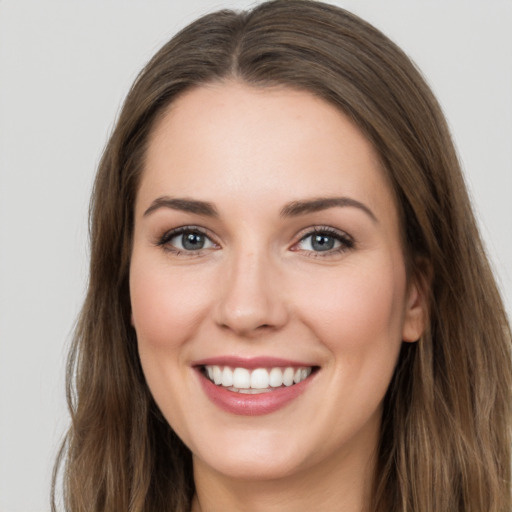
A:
[258,288]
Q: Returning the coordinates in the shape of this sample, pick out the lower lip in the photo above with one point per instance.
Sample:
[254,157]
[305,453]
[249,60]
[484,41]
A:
[251,405]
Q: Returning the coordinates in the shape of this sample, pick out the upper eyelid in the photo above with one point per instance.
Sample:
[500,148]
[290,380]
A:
[324,229]
[171,233]
[184,229]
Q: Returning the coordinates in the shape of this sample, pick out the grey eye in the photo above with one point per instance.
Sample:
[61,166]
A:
[319,242]
[191,241]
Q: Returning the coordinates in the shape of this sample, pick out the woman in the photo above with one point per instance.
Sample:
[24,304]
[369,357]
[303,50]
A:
[289,305]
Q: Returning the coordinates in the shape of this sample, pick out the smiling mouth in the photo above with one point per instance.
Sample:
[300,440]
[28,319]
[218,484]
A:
[259,380]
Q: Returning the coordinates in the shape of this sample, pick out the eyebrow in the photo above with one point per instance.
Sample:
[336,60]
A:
[184,205]
[293,209]
[297,208]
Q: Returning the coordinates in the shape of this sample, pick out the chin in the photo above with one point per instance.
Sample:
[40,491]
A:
[263,459]
[262,468]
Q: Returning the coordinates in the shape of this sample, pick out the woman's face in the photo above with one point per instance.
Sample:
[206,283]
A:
[267,247]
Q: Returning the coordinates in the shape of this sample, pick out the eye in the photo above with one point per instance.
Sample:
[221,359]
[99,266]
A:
[186,239]
[324,240]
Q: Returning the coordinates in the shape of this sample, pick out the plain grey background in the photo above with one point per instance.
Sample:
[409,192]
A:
[65,67]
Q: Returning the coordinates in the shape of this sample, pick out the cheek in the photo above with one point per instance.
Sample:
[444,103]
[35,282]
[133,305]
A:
[167,305]
[167,308]
[357,314]
[358,308]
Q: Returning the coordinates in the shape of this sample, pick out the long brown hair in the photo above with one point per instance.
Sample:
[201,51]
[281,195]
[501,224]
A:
[445,438]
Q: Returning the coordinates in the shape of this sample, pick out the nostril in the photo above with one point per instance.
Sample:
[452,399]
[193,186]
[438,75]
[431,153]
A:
[257,328]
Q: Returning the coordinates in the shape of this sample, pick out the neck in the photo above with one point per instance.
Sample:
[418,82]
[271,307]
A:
[323,488]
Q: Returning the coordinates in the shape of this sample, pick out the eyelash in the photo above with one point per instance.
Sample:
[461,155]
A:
[346,242]
[164,240]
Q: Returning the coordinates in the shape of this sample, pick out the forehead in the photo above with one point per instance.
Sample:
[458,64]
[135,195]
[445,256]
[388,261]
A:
[225,141]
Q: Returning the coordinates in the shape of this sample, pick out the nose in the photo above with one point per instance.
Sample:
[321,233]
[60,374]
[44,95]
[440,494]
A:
[251,299]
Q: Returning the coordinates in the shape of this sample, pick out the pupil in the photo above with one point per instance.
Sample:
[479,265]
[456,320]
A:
[193,241]
[322,242]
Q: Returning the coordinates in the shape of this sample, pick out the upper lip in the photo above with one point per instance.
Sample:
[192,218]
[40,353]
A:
[251,362]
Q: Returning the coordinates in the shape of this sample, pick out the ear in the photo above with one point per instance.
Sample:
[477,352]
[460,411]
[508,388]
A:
[416,312]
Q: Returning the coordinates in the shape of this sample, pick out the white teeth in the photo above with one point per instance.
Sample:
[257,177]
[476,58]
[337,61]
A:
[217,375]
[276,377]
[301,374]
[227,377]
[288,377]
[251,391]
[258,380]
[241,378]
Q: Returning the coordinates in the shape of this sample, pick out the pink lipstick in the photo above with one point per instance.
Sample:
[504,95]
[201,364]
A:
[253,386]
